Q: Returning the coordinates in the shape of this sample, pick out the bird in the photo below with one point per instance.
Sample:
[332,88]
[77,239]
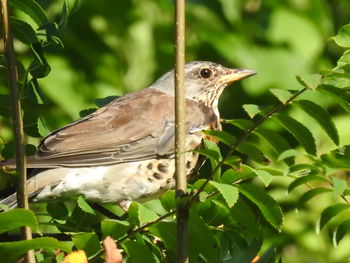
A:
[125,150]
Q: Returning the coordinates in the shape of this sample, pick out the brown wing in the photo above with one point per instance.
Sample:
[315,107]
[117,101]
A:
[137,126]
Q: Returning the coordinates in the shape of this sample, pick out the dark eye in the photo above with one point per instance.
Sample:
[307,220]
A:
[205,73]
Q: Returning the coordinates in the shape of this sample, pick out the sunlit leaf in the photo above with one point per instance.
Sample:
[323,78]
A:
[12,251]
[339,185]
[85,206]
[16,218]
[281,94]
[343,36]
[264,176]
[139,214]
[251,109]
[228,192]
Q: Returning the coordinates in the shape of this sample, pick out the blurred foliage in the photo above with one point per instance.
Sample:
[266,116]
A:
[68,57]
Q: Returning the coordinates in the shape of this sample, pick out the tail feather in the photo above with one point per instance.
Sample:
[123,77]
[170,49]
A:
[10,201]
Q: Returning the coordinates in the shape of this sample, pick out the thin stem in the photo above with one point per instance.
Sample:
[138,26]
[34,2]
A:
[131,233]
[182,206]
[12,77]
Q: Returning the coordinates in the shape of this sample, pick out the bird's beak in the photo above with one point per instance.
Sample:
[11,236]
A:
[237,74]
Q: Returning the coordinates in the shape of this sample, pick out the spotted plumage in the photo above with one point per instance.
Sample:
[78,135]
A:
[125,150]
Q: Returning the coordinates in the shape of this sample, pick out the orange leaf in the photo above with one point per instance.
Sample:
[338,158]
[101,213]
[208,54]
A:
[75,257]
[255,260]
[113,254]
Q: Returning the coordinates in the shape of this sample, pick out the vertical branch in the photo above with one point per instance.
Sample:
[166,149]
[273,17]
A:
[12,77]
[181,184]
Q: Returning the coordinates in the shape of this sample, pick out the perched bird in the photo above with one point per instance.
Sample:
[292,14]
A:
[125,150]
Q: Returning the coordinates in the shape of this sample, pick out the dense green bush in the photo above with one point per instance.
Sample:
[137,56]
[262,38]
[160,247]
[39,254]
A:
[281,193]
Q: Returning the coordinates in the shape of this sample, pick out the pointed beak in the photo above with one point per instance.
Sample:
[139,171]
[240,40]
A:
[237,74]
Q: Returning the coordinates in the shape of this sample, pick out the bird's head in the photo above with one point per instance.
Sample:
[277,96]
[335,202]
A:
[204,80]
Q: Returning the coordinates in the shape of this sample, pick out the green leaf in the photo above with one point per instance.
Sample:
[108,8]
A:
[274,139]
[253,153]
[267,205]
[338,159]
[343,36]
[228,192]
[242,213]
[339,186]
[89,242]
[342,229]
[340,96]
[140,214]
[168,200]
[215,159]
[311,194]
[322,117]
[242,124]
[32,9]
[222,136]
[299,131]
[166,231]
[329,213]
[201,240]
[304,180]
[12,251]
[214,212]
[343,62]
[23,31]
[114,228]
[233,175]
[251,109]
[16,218]
[287,154]
[338,79]
[264,176]
[309,81]
[85,206]
[57,209]
[39,68]
[281,94]
[138,252]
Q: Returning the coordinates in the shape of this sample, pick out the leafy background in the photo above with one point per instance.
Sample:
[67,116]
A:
[72,55]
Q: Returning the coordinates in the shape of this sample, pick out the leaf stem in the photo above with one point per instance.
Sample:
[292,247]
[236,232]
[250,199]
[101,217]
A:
[12,76]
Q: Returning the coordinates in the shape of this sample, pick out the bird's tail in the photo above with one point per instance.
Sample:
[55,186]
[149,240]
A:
[10,202]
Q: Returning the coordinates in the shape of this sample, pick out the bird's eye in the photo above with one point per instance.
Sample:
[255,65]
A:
[205,73]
